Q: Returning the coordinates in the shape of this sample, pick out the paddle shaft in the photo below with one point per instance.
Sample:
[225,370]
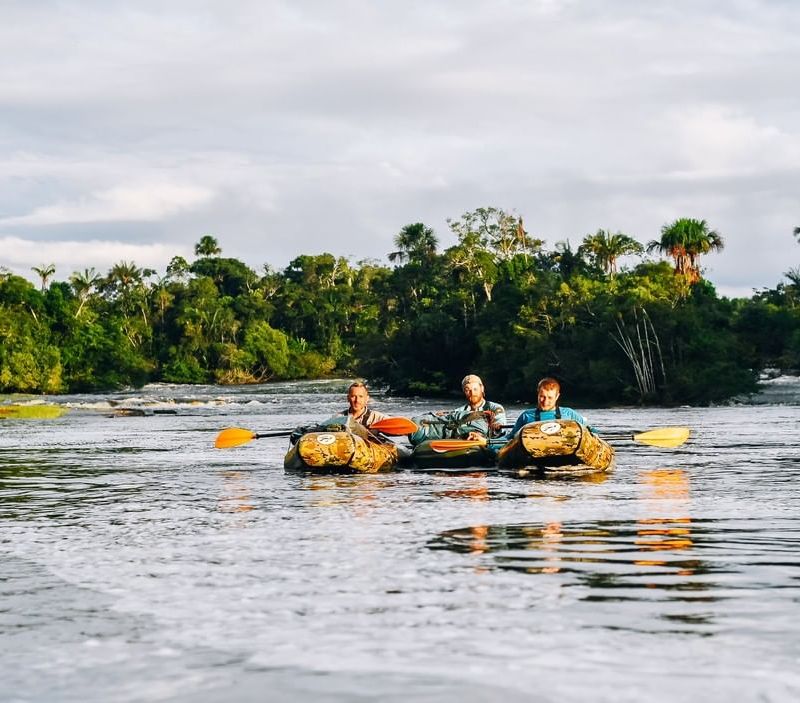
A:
[668,437]
[235,436]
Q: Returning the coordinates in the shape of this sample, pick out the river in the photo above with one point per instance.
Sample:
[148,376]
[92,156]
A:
[138,563]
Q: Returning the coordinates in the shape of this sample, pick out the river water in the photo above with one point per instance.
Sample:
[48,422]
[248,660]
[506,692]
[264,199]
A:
[138,563]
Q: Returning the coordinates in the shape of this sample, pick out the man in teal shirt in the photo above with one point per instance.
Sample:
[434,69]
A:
[478,418]
[547,392]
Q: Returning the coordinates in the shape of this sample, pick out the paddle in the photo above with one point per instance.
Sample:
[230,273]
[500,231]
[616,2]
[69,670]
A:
[234,436]
[660,437]
[446,445]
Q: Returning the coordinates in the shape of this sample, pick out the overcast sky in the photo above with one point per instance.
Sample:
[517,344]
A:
[131,129]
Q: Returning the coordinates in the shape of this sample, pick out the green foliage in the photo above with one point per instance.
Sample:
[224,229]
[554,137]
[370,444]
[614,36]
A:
[184,370]
[207,246]
[231,276]
[686,240]
[306,363]
[267,350]
[497,303]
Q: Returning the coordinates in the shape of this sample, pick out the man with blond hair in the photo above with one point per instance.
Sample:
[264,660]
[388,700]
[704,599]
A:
[478,418]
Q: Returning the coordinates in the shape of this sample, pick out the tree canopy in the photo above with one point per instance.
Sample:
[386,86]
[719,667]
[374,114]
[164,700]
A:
[498,303]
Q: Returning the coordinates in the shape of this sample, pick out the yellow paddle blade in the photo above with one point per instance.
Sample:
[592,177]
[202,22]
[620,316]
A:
[34,412]
[394,426]
[448,445]
[233,437]
[663,436]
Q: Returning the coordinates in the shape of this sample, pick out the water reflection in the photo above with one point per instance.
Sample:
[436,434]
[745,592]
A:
[358,492]
[565,475]
[666,524]
[235,496]
[617,560]
[476,490]
[677,568]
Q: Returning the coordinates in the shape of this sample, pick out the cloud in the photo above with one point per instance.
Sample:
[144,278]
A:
[70,256]
[716,139]
[288,128]
[118,204]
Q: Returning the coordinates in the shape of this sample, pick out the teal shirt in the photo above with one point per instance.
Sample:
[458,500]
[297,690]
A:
[530,415]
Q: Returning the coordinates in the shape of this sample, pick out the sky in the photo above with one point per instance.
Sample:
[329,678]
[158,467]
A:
[130,130]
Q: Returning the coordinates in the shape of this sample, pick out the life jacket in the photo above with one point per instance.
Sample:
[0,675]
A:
[538,414]
[367,418]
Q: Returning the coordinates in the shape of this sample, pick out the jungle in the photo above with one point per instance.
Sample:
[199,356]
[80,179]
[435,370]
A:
[618,321]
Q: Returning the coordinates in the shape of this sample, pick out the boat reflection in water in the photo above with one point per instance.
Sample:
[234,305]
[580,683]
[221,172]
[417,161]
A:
[666,526]
[235,495]
[651,559]
[357,493]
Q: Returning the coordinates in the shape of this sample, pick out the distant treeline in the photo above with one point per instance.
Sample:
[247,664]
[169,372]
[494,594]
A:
[498,303]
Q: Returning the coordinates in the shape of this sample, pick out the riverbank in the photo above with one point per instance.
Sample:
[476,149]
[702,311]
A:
[780,390]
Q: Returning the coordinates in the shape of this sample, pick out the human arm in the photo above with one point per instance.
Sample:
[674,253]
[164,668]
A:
[570,414]
[497,418]
[524,418]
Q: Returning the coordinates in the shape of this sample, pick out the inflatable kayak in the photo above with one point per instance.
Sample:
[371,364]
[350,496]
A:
[557,446]
[427,455]
[343,451]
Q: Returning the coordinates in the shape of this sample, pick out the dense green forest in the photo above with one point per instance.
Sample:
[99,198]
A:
[498,303]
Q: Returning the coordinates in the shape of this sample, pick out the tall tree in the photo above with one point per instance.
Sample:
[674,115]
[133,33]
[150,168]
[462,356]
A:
[82,284]
[45,273]
[207,246]
[495,230]
[487,238]
[415,243]
[125,288]
[604,248]
[686,240]
[178,268]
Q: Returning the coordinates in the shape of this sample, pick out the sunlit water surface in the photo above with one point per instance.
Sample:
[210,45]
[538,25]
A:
[141,564]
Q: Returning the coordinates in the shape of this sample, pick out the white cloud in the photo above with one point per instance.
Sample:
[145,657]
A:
[122,203]
[19,254]
[716,139]
[287,128]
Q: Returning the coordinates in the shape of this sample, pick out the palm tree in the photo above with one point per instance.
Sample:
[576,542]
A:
[604,249]
[567,259]
[82,284]
[45,272]
[686,240]
[415,243]
[125,275]
[793,274]
[207,246]
[125,286]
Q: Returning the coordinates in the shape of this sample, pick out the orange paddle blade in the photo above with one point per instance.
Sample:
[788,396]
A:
[233,437]
[448,445]
[395,426]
